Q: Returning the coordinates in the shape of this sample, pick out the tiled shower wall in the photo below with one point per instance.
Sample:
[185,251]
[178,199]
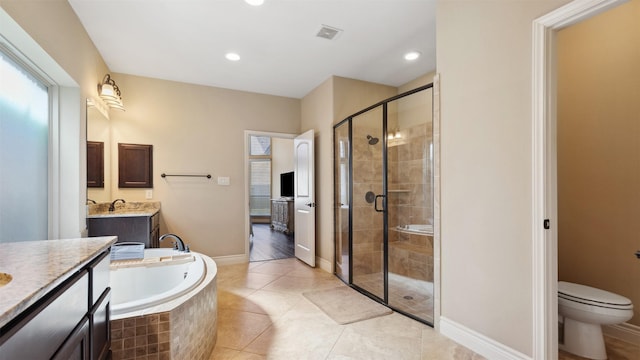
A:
[368,224]
[411,201]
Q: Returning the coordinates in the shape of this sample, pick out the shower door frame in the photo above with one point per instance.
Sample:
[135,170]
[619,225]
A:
[385,240]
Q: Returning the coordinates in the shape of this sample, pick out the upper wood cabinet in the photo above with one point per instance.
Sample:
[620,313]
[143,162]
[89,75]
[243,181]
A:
[135,166]
[95,164]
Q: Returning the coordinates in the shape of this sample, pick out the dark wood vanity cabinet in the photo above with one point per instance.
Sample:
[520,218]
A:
[95,164]
[135,166]
[143,229]
[66,323]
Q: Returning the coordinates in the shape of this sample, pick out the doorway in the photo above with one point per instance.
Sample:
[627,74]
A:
[384,213]
[545,211]
[267,156]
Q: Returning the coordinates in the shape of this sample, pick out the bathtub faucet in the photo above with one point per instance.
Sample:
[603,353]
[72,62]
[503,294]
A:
[178,244]
[112,207]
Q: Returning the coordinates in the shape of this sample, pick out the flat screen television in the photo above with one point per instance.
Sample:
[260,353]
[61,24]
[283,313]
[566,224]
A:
[286,184]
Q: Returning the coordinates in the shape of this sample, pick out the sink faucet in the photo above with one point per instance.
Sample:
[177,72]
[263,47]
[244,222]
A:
[112,207]
[91,201]
[178,244]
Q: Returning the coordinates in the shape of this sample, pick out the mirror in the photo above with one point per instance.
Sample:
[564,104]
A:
[98,132]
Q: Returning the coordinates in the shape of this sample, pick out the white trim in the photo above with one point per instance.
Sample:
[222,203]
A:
[477,342]
[325,264]
[544,192]
[231,259]
[246,135]
[625,332]
[436,202]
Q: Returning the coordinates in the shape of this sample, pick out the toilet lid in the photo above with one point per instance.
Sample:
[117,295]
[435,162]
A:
[591,294]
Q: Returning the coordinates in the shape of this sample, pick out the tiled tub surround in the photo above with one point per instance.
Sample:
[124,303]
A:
[183,328]
[129,208]
[37,267]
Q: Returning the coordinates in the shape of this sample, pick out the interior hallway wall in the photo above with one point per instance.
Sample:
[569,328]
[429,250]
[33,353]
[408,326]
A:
[484,51]
[197,129]
[599,152]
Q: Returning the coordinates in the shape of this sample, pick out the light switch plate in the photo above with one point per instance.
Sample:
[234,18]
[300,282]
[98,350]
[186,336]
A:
[224,180]
[148,194]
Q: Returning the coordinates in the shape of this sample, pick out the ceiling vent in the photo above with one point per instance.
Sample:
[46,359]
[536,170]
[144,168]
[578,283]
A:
[328,32]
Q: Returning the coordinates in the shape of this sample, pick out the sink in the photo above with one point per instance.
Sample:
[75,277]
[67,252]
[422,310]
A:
[5,279]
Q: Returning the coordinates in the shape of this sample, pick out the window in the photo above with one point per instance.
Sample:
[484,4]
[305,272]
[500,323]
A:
[259,176]
[24,153]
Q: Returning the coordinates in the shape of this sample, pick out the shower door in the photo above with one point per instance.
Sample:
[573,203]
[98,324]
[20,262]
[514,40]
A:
[368,214]
[383,183]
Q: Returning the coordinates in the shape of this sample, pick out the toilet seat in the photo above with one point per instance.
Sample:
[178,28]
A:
[591,296]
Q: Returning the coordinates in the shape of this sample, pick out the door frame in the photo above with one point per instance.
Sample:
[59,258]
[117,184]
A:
[545,199]
[247,222]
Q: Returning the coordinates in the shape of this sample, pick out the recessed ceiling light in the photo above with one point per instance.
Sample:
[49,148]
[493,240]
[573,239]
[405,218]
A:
[254,2]
[232,56]
[412,55]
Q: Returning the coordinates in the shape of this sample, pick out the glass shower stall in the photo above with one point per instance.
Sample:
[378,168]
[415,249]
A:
[383,196]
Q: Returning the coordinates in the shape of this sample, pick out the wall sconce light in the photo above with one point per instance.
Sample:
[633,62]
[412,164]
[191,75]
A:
[396,134]
[110,93]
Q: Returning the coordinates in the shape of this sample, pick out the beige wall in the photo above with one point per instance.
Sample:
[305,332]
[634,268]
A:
[599,152]
[326,105]
[55,27]
[197,129]
[484,59]
[281,162]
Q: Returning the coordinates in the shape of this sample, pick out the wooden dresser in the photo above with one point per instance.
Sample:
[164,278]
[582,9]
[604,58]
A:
[282,215]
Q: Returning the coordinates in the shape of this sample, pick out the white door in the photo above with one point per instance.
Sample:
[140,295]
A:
[305,205]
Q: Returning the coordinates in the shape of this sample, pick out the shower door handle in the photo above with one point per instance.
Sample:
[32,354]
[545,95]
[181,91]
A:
[376,203]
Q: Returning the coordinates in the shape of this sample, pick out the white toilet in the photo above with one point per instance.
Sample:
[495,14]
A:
[584,310]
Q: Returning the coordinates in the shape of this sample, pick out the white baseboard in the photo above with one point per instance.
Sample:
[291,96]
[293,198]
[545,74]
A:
[625,332]
[230,259]
[325,265]
[477,342]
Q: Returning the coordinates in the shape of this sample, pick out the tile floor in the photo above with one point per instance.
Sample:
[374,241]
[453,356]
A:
[263,315]
[616,350]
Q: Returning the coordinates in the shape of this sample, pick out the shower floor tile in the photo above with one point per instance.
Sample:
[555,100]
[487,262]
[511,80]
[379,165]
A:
[409,295]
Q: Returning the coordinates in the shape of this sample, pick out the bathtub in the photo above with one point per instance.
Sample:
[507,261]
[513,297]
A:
[416,228]
[168,298]
[164,274]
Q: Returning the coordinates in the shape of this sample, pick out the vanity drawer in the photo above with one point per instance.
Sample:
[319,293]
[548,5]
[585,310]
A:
[50,321]
[99,273]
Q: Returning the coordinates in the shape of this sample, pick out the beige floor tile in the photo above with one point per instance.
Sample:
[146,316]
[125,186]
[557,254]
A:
[273,268]
[223,353]
[304,332]
[254,281]
[436,346]
[300,285]
[274,304]
[237,299]
[236,329]
[386,337]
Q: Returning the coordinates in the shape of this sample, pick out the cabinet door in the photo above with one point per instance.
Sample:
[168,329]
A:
[135,166]
[95,164]
[100,328]
[77,345]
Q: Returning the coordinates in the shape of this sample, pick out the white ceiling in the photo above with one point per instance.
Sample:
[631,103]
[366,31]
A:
[186,41]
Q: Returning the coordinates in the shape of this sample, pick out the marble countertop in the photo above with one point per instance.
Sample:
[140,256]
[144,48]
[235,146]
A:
[39,266]
[123,210]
